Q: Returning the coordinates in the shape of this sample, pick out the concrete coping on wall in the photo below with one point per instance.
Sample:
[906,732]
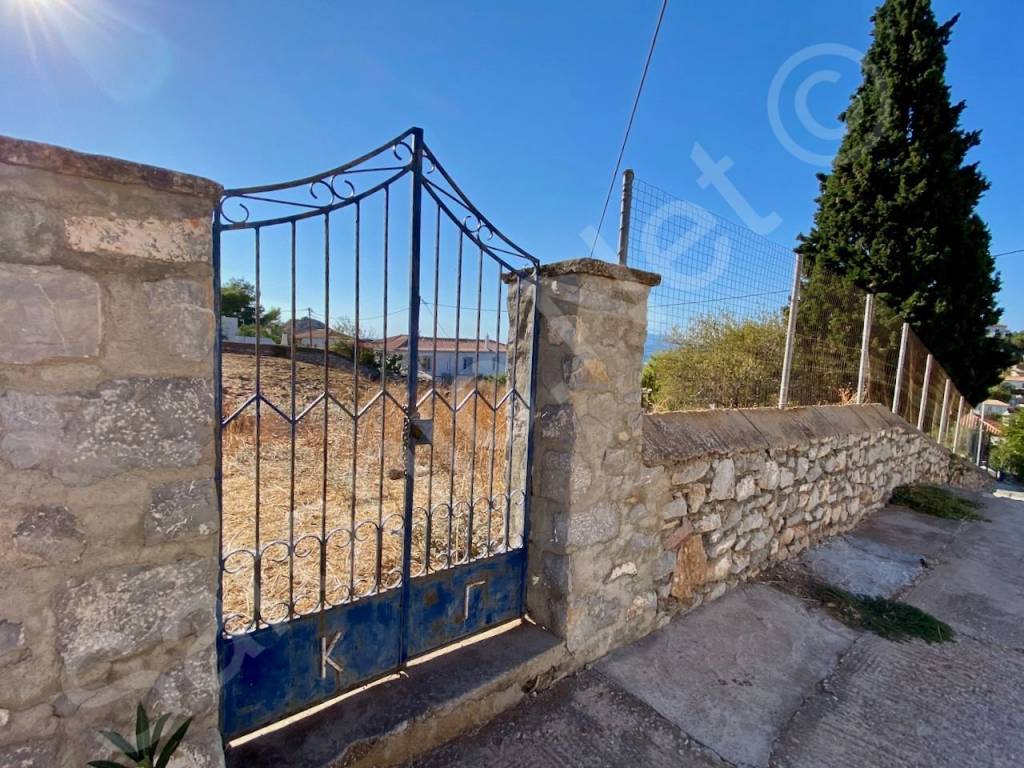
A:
[70,162]
[597,268]
[680,436]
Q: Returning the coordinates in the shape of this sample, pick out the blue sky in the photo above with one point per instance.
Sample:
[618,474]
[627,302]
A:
[524,102]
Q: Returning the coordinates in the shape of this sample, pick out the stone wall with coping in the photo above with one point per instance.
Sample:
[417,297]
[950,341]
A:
[636,517]
[108,515]
[749,488]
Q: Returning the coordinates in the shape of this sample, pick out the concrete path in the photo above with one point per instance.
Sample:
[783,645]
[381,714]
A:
[762,678]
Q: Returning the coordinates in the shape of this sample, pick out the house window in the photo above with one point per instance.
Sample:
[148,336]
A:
[467,363]
[425,364]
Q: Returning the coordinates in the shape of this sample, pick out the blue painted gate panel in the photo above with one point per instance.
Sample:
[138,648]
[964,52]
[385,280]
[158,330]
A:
[285,668]
[451,604]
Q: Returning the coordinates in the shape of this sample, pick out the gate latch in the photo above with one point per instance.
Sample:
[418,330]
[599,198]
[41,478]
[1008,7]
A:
[422,431]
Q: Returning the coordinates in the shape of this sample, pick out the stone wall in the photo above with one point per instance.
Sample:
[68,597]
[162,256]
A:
[636,518]
[749,488]
[108,514]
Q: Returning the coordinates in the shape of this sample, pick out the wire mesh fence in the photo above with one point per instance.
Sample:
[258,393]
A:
[739,321]
[718,319]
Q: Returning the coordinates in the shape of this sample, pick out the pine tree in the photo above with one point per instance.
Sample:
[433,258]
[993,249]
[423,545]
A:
[897,212]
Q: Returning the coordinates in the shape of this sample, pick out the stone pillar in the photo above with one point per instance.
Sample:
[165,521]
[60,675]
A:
[108,515]
[594,539]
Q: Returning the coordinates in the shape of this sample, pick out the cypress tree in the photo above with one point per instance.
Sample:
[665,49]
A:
[897,212]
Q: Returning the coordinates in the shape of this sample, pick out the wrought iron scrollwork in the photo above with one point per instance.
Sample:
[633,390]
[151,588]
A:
[350,554]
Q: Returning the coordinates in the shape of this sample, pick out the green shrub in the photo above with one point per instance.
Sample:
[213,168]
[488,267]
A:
[1008,453]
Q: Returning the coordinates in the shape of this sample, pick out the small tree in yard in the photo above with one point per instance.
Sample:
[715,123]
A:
[1008,453]
[897,212]
[718,361]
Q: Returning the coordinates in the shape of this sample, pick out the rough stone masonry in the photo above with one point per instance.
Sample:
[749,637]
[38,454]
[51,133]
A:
[108,515]
[638,517]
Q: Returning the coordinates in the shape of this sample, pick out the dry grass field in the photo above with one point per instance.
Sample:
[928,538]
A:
[333,498]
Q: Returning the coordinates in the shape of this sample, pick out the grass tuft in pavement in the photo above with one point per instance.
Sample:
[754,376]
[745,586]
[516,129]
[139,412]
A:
[888,618]
[933,500]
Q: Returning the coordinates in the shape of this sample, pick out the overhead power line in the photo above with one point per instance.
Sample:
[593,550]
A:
[1007,253]
[629,125]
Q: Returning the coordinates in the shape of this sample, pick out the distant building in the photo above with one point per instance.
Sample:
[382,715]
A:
[448,358]
[993,409]
[1015,383]
[998,330]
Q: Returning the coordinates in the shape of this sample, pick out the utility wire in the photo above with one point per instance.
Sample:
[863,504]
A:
[629,125]
[1007,253]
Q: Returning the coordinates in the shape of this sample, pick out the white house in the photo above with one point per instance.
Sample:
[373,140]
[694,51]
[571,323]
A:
[448,358]
[994,409]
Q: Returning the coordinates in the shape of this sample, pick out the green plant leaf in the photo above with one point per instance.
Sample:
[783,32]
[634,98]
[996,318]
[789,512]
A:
[122,744]
[157,732]
[172,744]
[106,764]
[142,730]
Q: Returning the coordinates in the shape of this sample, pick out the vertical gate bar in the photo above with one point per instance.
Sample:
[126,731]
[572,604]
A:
[383,404]
[433,395]
[865,349]
[625,214]
[218,404]
[257,564]
[327,405]
[476,404]
[956,429]
[924,391]
[944,418]
[900,361]
[787,354]
[355,406]
[455,396]
[511,364]
[411,397]
[494,416]
[291,459]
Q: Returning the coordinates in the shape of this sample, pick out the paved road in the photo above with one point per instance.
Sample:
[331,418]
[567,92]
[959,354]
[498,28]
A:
[762,678]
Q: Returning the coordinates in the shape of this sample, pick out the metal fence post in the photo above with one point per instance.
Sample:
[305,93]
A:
[624,215]
[981,433]
[787,355]
[956,429]
[865,349]
[904,337]
[924,391]
[944,419]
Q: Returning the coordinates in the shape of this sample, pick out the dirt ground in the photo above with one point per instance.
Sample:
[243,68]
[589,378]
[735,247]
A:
[333,496]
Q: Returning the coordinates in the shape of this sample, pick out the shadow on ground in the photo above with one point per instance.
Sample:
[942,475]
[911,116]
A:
[763,677]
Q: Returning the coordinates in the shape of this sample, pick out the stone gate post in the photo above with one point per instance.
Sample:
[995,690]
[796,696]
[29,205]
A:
[108,514]
[593,536]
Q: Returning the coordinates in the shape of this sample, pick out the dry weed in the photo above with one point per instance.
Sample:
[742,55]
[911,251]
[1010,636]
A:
[341,509]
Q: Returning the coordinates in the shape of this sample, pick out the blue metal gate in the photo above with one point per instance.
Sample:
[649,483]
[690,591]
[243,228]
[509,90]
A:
[374,454]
